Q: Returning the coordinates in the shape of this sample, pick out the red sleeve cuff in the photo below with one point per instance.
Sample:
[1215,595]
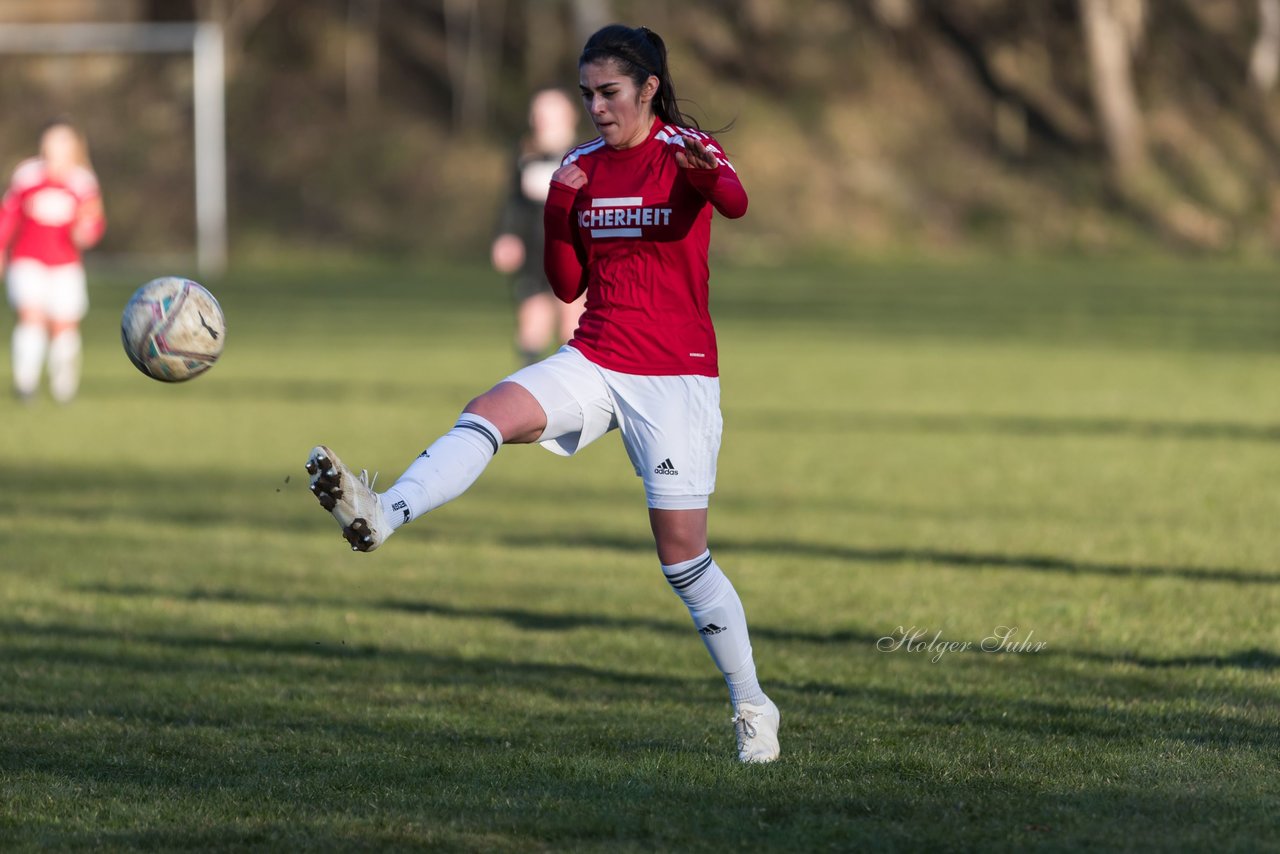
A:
[561,196]
[703,179]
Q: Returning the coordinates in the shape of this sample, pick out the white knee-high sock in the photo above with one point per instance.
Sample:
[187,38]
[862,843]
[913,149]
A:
[443,471]
[64,365]
[718,616]
[29,341]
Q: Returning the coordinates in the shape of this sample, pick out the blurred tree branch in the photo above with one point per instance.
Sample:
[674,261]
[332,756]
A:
[362,57]
[1112,32]
[238,19]
[1264,62]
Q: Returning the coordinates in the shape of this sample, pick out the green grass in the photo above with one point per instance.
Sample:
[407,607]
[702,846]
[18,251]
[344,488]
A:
[190,657]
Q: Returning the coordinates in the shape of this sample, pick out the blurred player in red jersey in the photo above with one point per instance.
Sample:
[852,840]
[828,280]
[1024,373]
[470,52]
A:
[628,223]
[51,212]
[517,250]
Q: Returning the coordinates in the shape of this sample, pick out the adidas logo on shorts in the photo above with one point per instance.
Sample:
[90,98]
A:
[665,467]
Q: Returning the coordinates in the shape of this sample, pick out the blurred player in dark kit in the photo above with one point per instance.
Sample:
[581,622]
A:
[517,250]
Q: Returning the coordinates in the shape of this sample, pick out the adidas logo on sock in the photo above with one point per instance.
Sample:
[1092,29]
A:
[711,629]
[665,467]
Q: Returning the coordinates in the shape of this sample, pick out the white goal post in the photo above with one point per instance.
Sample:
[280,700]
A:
[203,40]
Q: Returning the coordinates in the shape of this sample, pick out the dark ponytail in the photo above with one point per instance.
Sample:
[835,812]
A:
[640,54]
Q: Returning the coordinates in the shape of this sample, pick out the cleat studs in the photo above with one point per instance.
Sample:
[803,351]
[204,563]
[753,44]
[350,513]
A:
[312,468]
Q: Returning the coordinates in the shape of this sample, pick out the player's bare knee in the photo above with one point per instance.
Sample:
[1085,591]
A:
[679,535]
[677,550]
[512,410]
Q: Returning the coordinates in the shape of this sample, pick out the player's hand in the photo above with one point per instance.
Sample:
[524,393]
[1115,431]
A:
[694,155]
[88,225]
[507,253]
[570,175]
[82,234]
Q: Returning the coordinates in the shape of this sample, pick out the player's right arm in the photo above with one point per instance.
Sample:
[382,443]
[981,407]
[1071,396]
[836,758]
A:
[10,214]
[564,259]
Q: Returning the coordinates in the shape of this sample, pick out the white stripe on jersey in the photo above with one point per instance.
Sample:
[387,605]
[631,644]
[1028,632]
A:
[31,172]
[678,137]
[585,148]
[620,202]
[671,134]
[616,232]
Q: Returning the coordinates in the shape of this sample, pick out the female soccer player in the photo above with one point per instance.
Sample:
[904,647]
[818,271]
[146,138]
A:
[517,250]
[628,220]
[51,212]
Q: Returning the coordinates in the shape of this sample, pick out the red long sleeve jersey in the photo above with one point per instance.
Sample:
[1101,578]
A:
[42,215]
[635,238]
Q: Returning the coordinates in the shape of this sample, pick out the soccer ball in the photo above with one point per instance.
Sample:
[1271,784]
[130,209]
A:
[173,329]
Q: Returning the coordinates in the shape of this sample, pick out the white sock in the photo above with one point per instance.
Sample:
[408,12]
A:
[29,340]
[64,365]
[443,471]
[718,616]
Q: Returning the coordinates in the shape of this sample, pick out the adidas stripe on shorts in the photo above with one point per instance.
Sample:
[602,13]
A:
[670,424]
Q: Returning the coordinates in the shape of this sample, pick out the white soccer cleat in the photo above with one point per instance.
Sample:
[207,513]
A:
[350,498]
[757,730]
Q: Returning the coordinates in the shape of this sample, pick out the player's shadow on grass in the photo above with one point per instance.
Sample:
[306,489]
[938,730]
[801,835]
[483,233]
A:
[1248,659]
[1034,426]
[156,651]
[291,390]
[515,617]
[65,652]
[528,620]
[225,498]
[941,557]
[1095,718]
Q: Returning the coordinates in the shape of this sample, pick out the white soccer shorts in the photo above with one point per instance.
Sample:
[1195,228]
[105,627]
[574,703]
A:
[59,292]
[670,424]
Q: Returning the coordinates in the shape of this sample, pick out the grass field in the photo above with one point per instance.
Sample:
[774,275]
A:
[1088,452]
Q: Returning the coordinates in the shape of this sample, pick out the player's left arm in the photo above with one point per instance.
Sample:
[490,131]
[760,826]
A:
[90,223]
[710,173]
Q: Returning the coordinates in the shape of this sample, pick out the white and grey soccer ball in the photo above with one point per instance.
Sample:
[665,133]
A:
[173,329]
